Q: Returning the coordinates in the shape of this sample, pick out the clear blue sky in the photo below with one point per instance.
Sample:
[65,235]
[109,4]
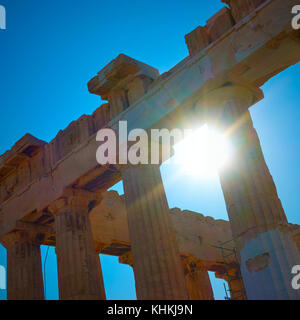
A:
[52,48]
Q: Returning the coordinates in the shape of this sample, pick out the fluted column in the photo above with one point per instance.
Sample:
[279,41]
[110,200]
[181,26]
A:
[266,250]
[157,267]
[197,280]
[234,282]
[126,258]
[297,241]
[24,267]
[236,288]
[79,269]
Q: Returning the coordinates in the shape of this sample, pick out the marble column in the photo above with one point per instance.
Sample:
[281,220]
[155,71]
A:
[197,280]
[79,269]
[157,267]
[126,258]
[266,250]
[236,289]
[234,283]
[24,267]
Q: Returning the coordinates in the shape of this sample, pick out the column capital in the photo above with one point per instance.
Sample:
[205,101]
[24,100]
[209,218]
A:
[75,198]
[117,73]
[214,100]
[19,236]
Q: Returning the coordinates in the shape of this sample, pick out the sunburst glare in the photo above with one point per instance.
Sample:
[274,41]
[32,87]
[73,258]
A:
[203,152]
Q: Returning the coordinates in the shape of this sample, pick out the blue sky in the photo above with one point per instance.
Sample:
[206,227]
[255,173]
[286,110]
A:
[52,48]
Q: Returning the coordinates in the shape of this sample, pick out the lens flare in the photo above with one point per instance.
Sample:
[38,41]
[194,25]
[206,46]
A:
[203,152]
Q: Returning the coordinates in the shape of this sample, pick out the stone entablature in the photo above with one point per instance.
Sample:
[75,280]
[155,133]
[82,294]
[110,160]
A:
[236,56]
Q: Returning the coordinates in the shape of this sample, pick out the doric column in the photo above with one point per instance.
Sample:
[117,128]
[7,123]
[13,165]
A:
[234,282]
[79,269]
[259,225]
[237,289]
[296,237]
[24,266]
[157,267]
[197,280]
[126,258]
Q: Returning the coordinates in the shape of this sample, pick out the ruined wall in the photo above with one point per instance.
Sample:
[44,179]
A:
[196,234]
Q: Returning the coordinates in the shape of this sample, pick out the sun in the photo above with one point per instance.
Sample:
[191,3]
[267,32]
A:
[203,152]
